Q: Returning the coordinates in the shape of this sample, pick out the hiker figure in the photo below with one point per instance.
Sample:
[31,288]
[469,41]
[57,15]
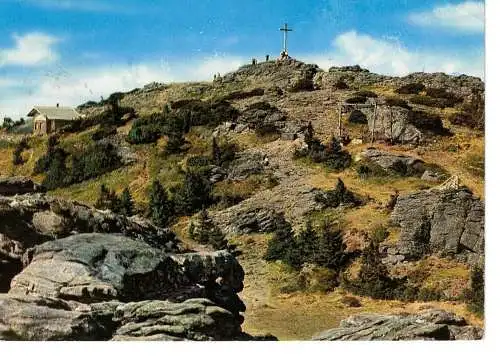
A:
[267,57]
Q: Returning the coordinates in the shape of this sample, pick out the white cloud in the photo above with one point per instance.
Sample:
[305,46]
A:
[76,86]
[464,17]
[389,56]
[32,49]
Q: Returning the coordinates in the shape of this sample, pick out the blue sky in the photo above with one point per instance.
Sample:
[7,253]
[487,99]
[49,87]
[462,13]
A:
[70,51]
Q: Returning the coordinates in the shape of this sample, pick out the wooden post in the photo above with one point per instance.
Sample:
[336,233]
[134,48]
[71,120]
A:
[374,120]
[340,121]
[391,124]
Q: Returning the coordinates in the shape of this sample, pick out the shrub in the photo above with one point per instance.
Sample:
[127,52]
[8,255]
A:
[194,194]
[427,101]
[366,94]
[356,100]
[17,158]
[367,169]
[341,85]
[93,161]
[373,279]
[239,95]
[281,242]
[160,207]
[426,121]
[56,170]
[475,108]
[147,130]
[199,161]
[43,163]
[331,154]
[331,250]
[395,101]
[357,117]
[208,113]
[107,200]
[412,88]
[339,196]
[462,119]
[206,232]
[103,132]
[474,295]
[325,249]
[126,203]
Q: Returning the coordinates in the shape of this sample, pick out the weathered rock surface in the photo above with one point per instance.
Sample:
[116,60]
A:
[355,77]
[427,325]
[41,318]
[246,164]
[103,267]
[18,185]
[38,318]
[194,319]
[291,75]
[32,219]
[442,222]
[102,287]
[395,163]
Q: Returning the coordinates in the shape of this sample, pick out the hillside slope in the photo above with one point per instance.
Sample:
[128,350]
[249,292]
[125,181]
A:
[264,111]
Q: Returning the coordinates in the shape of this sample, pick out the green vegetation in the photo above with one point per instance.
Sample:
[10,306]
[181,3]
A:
[17,158]
[395,101]
[474,295]
[206,232]
[161,208]
[331,154]
[412,88]
[92,161]
[338,196]
[324,248]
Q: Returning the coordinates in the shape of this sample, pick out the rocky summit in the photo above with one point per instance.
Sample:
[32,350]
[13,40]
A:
[277,201]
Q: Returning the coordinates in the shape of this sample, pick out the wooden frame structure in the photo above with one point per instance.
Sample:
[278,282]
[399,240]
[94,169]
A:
[345,108]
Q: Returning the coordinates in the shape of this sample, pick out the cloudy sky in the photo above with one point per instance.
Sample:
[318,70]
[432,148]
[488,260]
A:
[72,51]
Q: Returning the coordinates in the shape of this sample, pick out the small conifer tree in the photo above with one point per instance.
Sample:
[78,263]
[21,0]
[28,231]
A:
[216,152]
[331,248]
[208,232]
[474,295]
[304,248]
[107,200]
[281,242]
[126,203]
[160,206]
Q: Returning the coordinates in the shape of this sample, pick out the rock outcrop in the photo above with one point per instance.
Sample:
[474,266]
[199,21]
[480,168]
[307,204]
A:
[246,164]
[109,287]
[17,186]
[403,165]
[395,163]
[427,325]
[33,219]
[441,222]
[290,75]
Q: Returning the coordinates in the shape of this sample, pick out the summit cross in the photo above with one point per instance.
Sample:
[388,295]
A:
[285,30]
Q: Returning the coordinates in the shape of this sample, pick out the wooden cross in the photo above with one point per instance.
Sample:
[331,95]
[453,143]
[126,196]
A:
[285,30]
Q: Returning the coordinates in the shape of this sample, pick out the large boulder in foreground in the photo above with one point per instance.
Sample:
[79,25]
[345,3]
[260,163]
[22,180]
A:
[110,287]
[35,318]
[32,219]
[91,268]
[427,325]
[194,319]
[441,222]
